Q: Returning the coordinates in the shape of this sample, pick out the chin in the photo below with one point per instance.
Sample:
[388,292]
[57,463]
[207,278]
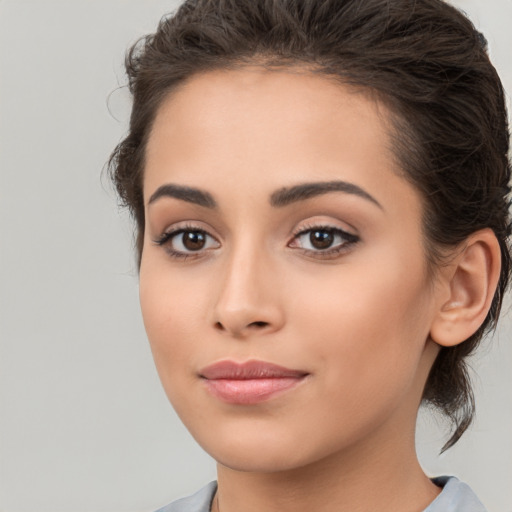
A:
[259,460]
[261,450]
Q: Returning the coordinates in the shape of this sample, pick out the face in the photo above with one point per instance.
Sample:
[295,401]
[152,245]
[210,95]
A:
[283,280]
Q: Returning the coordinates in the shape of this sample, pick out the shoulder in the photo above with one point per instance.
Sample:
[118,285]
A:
[456,496]
[198,502]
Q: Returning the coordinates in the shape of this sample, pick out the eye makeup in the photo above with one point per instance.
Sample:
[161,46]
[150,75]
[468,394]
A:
[321,241]
[324,241]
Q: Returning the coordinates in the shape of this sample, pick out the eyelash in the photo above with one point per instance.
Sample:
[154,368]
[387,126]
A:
[349,240]
[164,239]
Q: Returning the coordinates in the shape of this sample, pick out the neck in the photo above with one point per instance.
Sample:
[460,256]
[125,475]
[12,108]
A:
[364,479]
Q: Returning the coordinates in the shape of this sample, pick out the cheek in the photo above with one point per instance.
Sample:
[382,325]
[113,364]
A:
[170,311]
[367,326]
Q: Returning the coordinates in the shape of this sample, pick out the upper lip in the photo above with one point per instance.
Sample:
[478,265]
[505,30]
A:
[252,369]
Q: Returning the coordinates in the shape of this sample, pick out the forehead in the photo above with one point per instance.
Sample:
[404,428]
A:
[257,84]
[259,97]
[267,129]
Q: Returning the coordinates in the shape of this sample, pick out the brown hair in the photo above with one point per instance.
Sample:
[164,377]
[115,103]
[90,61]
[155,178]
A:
[424,58]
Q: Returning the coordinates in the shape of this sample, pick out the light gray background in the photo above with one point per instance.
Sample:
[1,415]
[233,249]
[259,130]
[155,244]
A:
[85,425]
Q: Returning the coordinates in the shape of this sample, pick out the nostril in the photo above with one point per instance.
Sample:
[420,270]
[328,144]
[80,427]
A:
[258,324]
[238,330]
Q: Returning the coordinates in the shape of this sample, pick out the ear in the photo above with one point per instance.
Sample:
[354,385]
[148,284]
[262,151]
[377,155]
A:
[466,288]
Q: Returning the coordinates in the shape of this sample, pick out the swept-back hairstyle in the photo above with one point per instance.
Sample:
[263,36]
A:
[423,58]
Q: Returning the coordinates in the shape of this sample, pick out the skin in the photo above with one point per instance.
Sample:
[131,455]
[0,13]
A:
[358,322]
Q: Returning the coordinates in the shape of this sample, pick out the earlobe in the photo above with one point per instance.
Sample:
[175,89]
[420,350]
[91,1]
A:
[469,282]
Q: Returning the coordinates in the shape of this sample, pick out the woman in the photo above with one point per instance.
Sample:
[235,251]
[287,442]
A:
[320,190]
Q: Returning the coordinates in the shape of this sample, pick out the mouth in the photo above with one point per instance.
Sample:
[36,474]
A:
[250,382]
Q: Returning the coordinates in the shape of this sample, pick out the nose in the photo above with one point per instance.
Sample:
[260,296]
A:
[248,301]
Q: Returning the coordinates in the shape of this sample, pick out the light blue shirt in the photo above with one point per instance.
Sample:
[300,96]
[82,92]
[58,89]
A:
[456,496]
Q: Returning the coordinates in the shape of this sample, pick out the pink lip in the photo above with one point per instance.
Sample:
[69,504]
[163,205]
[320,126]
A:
[250,382]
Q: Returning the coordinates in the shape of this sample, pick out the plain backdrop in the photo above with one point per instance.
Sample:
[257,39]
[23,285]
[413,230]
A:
[84,423]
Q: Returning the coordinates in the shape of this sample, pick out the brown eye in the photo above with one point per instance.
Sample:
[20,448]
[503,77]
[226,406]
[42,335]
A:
[184,242]
[324,240]
[321,239]
[193,240]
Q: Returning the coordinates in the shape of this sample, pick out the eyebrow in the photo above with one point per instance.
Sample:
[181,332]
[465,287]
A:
[188,194]
[300,192]
[280,198]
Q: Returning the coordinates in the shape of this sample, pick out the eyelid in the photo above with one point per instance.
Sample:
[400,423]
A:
[188,225]
[322,224]
[164,240]
[169,234]
[348,240]
[349,236]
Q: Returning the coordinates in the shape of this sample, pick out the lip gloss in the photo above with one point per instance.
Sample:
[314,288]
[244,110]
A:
[250,382]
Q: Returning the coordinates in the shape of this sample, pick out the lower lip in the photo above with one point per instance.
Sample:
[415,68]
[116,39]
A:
[250,391]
